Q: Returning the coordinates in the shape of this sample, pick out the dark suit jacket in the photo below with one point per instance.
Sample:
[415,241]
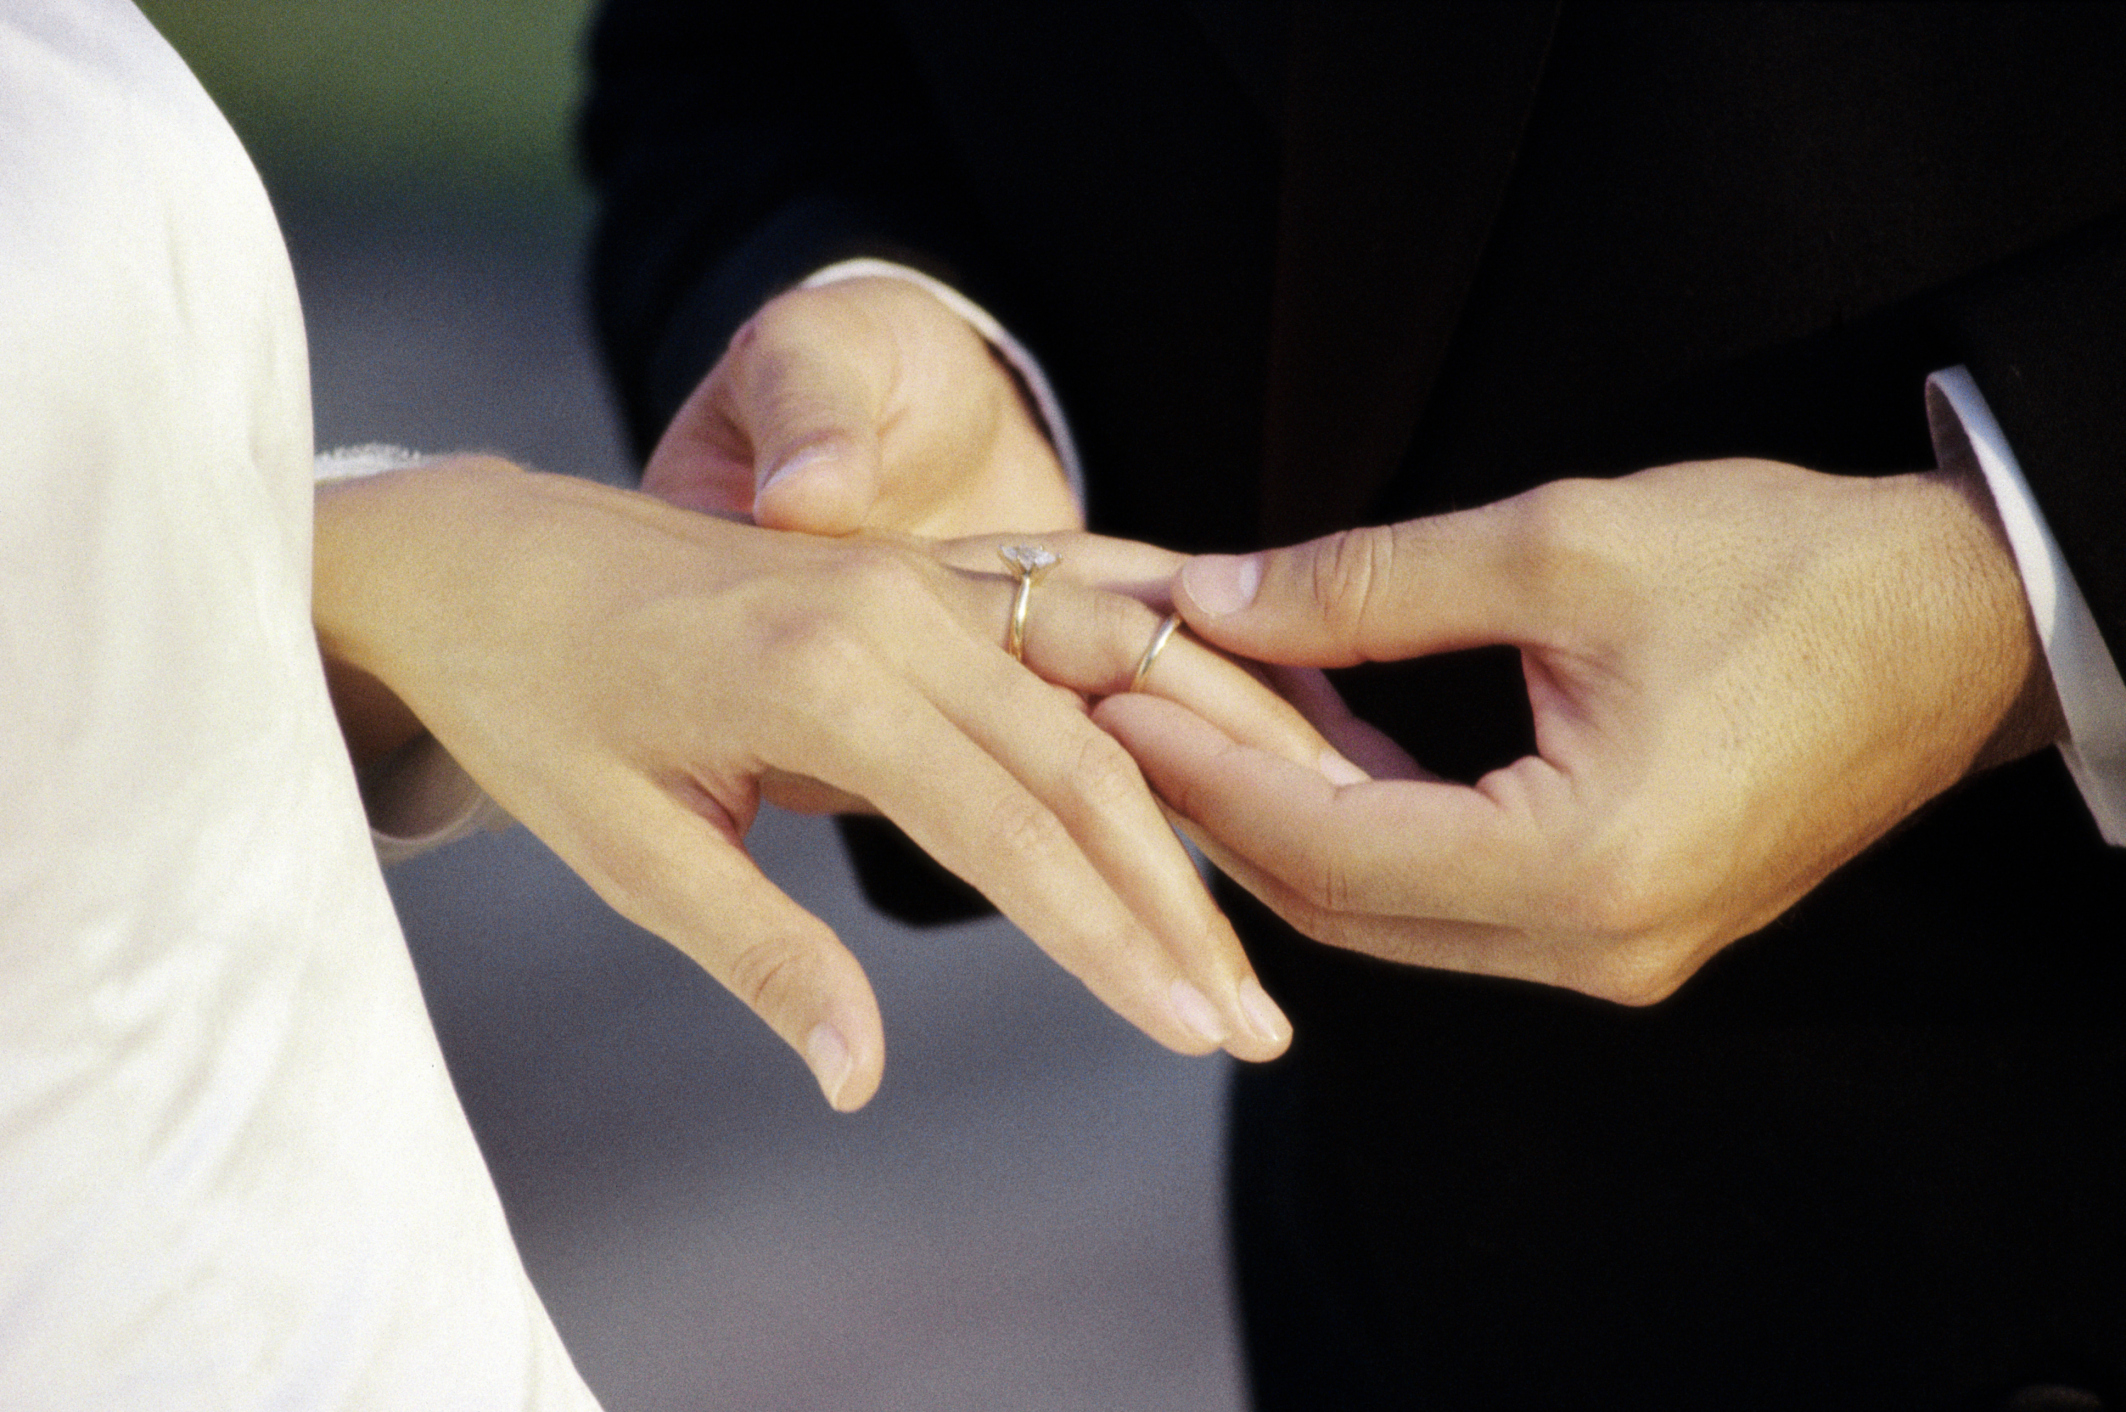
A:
[1872,1157]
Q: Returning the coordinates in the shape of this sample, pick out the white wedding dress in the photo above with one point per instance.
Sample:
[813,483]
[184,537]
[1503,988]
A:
[233,1173]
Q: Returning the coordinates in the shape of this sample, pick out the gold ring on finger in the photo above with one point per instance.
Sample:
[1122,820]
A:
[1027,563]
[1152,649]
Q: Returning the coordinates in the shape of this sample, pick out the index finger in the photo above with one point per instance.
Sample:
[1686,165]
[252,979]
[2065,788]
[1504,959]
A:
[1406,848]
[1520,571]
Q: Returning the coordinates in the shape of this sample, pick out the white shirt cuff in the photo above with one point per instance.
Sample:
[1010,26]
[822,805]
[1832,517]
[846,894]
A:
[418,797]
[995,334]
[2091,692]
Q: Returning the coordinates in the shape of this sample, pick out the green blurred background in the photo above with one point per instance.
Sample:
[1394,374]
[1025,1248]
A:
[457,101]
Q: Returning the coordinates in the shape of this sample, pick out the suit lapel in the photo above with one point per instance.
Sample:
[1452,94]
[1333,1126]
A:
[1402,125]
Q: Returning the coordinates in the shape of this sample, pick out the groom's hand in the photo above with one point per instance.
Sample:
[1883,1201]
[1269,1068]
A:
[862,405]
[1742,674]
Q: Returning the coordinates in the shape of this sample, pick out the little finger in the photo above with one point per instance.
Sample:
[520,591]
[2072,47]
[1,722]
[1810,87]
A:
[674,873]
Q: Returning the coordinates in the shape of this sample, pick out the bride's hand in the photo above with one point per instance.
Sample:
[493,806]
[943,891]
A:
[621,676]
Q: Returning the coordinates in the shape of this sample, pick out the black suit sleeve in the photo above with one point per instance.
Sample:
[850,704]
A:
[2045,339]
[734,150]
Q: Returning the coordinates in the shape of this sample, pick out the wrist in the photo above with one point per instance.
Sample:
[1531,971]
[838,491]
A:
[2004,668]
[370,582]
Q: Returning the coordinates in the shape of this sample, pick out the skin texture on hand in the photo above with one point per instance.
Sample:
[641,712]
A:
[1742,673]
[865,404]
[627,679]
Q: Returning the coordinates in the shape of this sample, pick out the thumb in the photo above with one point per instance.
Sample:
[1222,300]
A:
[1376,594]
[806,390]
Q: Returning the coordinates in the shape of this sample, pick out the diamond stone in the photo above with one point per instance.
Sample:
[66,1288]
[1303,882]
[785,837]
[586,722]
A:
[1026,560]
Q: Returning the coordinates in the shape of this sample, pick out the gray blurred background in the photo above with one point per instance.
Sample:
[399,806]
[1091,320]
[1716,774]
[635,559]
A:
[1028,1214]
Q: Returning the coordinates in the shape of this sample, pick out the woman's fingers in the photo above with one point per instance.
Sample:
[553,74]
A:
[1094,641]
[680,875]
[1006,783]
[628,679]
[1093,617]
[1100,797]
[1129,567]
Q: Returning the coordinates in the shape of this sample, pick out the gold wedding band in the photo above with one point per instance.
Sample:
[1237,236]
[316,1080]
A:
[1152,650]
[1027,563]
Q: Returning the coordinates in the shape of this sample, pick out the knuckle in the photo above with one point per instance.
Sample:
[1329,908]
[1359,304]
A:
[1327,885]
[812,657]
[798,344]
[873,589]
[1637,975]
[1612,882]
[876,573]
[1104,776]
[1125,626]
[1329,928]
[788,312]
[1572,537]
[1106,956]
[1617,902]
[1021,831]
[768,974]
[1350,572]
[743,341]
[1564,513]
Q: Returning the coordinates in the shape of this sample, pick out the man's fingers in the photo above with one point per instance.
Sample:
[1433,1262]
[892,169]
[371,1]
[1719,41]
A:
[1502,573]
[806,384]
[1402,848]
[675,873]
[1477,948]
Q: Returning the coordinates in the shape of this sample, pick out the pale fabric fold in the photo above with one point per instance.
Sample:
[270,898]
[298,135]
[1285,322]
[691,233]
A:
[233,1173]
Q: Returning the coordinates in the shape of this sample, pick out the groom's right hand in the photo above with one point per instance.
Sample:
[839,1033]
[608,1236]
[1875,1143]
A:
[865,404]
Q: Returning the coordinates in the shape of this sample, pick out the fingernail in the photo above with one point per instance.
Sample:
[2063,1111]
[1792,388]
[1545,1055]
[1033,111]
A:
[1339,771]
[1223,583]
[1264,1018]
[826,448]
[828,1054]
[1196,1012]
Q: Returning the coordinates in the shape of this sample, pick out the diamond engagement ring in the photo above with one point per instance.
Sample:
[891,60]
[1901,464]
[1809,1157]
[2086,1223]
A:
[1027,563]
